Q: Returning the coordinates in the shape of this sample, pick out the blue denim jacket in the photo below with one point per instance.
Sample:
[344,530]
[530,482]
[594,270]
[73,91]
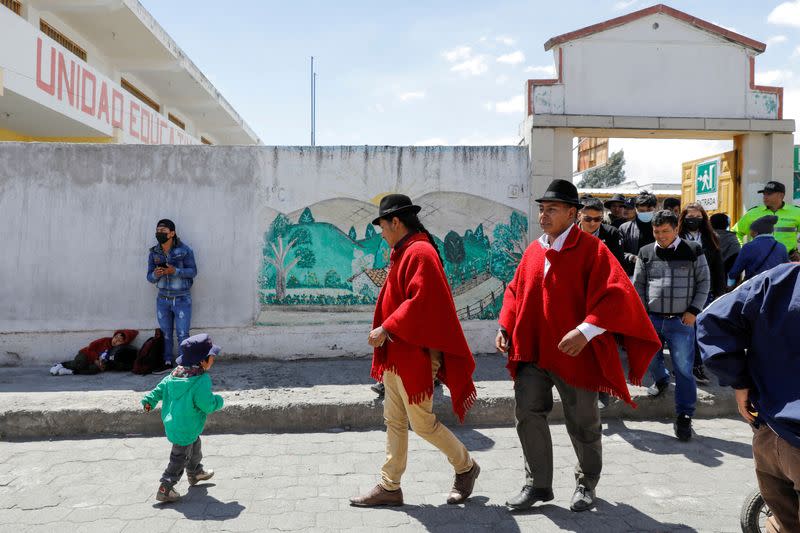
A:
[182,258]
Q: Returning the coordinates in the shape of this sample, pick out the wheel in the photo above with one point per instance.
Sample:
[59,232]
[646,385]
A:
[754,513]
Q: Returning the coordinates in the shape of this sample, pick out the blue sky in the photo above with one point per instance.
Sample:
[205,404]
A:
[442,72]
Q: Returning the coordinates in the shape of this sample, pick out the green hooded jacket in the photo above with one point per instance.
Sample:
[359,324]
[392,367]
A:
[186,403]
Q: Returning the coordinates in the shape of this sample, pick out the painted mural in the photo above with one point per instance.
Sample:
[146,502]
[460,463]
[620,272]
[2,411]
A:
[329,256]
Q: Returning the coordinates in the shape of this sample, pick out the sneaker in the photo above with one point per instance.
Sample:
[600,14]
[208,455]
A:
[167,493]
[378,388]
[700,375]
[64,372]
[202,475]
[658,388]
[683,427]
[54,369]
[166,367]
[582,499]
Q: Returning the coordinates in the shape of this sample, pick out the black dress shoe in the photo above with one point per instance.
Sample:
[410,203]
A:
[528,496]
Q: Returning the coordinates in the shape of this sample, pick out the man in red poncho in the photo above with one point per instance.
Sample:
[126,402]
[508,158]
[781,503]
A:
[567,300]
[417,337]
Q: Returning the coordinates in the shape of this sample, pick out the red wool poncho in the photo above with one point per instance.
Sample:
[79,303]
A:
[417,310]
[585,283]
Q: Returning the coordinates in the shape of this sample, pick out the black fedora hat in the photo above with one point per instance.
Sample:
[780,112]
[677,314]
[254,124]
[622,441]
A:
[616,198]
[394,204]
[561,191]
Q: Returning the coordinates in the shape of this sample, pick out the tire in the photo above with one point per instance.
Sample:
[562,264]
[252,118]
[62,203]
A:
[754,512]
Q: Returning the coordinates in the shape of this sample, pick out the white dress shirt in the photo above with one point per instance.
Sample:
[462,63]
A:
[673,246]
[589,331]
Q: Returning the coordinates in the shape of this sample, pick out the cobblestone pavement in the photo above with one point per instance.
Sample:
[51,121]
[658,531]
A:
[282,482]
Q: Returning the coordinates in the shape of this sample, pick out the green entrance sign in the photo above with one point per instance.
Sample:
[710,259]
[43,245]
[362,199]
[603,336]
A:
[706,177]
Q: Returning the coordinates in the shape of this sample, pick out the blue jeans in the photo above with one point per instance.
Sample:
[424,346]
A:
[680,341]
[174,311]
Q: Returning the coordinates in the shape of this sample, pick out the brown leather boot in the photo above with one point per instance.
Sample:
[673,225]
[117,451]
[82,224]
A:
[377,497]
[463,484]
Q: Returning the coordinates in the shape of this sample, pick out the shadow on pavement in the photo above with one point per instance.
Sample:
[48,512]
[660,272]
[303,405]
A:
[198,504]
[701,449]
[479,514]
[476,514]
[606,517]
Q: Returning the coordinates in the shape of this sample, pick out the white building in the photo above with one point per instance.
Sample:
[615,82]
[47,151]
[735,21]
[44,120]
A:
[104,71]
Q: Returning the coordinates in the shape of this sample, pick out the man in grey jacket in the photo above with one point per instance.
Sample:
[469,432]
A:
[673,281]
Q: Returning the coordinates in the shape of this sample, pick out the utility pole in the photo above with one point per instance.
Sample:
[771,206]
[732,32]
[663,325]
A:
[313,103]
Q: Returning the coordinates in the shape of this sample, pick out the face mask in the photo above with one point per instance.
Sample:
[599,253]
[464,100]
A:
[162,237]
[645,217]
[692,224]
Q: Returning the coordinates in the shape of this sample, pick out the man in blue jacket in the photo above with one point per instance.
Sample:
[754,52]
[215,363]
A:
[760,254]
[171,267]
[750,339]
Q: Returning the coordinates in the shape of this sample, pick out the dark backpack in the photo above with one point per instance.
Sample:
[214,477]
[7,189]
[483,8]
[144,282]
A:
[121,358]
[151,354]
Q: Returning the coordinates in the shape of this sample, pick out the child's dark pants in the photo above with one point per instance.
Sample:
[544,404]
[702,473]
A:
[183,457]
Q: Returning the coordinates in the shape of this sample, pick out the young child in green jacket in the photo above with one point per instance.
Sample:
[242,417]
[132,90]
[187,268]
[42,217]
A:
[186,399]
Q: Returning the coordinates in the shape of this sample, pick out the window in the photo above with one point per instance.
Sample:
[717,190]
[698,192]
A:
[13,5]
[178,122]
[205,141]
[128,86]
[60,38]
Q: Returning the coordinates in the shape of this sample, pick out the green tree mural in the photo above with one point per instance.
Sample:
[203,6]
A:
[333,279]
[352,234]
[302,237]
[454,248]
[306,217]
[510,241]
[305,258]
[278,228]
[370,233]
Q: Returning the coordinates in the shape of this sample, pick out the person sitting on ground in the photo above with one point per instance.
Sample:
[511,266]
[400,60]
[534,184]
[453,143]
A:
[729,245]
[95,357]
[762,253]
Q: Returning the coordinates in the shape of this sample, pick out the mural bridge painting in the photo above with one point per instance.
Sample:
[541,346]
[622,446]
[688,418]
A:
[328,256]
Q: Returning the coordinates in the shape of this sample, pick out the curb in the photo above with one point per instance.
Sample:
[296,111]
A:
[243,415]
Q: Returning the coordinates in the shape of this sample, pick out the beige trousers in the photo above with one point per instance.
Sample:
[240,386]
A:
[397,413]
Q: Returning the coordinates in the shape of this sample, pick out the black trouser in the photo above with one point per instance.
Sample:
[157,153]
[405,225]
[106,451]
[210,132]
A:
[533,393]
[183,457]
[81,365]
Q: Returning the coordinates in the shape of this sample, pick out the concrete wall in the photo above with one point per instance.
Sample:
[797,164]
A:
[77,221]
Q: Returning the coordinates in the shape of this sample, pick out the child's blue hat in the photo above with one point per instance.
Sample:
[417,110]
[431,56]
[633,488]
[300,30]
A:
[195,349]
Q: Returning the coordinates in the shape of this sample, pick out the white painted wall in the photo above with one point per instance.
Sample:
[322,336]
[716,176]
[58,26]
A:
[77,221]
[638,69]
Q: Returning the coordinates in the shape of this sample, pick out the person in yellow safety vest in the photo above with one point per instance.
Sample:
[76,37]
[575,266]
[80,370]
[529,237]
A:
[788,226]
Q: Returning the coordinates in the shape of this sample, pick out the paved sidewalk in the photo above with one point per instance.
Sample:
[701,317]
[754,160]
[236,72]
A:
[271,396]
[651,482]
